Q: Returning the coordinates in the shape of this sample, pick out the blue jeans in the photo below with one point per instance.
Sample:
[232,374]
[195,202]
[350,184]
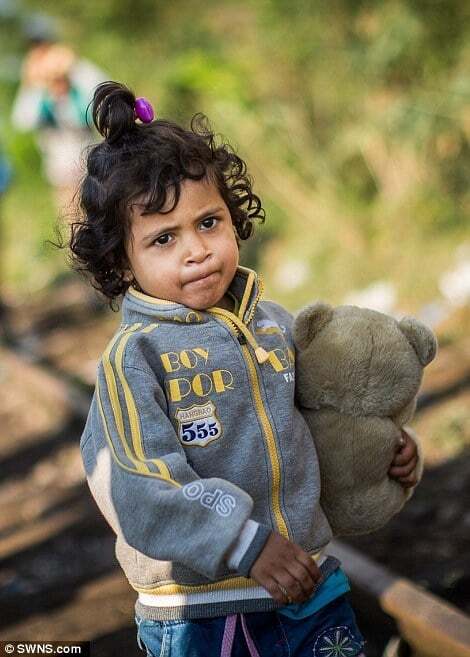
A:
[331,632]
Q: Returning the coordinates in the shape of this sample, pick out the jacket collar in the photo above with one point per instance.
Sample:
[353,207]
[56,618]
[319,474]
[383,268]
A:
[246,287]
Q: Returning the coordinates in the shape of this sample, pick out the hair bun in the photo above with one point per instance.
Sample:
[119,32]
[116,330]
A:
[113,110]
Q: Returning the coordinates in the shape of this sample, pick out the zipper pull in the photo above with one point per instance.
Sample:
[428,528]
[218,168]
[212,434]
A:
[261,355]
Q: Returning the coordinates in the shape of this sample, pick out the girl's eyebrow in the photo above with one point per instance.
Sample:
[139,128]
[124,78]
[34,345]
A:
[164,228]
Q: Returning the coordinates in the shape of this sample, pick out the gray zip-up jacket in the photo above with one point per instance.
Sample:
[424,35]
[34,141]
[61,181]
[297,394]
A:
[193,441]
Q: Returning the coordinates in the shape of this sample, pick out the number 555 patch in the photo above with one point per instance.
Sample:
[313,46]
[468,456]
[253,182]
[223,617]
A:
[198,424]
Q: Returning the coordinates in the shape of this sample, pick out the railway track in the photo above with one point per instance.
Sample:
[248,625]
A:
[428,626]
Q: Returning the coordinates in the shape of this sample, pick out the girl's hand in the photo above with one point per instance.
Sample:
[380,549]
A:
[403,467]
[285,570]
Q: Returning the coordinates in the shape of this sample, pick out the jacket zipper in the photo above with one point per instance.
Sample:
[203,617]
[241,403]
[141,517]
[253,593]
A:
[265,423]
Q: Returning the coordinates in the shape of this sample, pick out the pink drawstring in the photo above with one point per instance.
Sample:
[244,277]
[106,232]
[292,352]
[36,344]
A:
[229,635]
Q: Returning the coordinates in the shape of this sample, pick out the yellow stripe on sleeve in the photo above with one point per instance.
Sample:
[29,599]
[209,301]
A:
[114,397]
[138,457]
[134,420]
[113,451]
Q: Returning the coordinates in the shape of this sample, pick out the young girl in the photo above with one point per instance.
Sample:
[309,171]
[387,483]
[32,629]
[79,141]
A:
[194,450]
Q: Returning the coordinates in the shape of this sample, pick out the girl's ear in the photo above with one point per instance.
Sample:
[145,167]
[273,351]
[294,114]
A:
[309,322]
[128,277]
[126,268]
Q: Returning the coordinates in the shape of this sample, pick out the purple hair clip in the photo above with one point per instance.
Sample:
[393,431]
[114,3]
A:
[143,110]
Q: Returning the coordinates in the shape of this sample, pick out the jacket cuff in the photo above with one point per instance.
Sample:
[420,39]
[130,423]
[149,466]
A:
[242,544]
[254,549]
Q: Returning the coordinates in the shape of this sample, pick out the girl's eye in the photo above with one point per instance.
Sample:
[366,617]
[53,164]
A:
[163,240]
[209,222]
[166,238]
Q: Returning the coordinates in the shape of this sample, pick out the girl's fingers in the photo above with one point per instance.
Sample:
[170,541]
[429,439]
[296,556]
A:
[405,454]
[276,591]
[290,588]
[403,470]
[309,564]
[402,457]
[408,482]
[302,576]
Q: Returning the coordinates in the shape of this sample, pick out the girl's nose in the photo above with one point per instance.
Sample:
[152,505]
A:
[196,251]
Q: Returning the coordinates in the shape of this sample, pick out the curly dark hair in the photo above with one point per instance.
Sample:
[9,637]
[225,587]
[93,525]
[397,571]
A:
[146,161]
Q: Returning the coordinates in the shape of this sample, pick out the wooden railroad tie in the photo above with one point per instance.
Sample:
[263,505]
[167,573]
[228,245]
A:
[431,626]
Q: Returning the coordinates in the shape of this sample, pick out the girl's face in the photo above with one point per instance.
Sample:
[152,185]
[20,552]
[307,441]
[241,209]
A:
[189,255]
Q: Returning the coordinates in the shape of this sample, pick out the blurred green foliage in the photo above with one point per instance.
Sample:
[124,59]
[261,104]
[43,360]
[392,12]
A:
[354,119]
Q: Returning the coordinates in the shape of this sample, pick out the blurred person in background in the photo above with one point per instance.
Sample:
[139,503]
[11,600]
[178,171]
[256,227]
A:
[55,89]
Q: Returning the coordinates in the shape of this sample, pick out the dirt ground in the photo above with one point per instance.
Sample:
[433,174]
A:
[58,575]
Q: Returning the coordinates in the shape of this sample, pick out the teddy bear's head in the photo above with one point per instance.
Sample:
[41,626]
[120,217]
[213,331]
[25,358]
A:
[359,361]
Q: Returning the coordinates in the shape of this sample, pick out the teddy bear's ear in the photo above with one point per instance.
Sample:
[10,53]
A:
[421,339]
[309,322]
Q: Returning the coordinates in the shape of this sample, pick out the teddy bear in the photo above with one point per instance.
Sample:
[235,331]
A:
[358,373]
